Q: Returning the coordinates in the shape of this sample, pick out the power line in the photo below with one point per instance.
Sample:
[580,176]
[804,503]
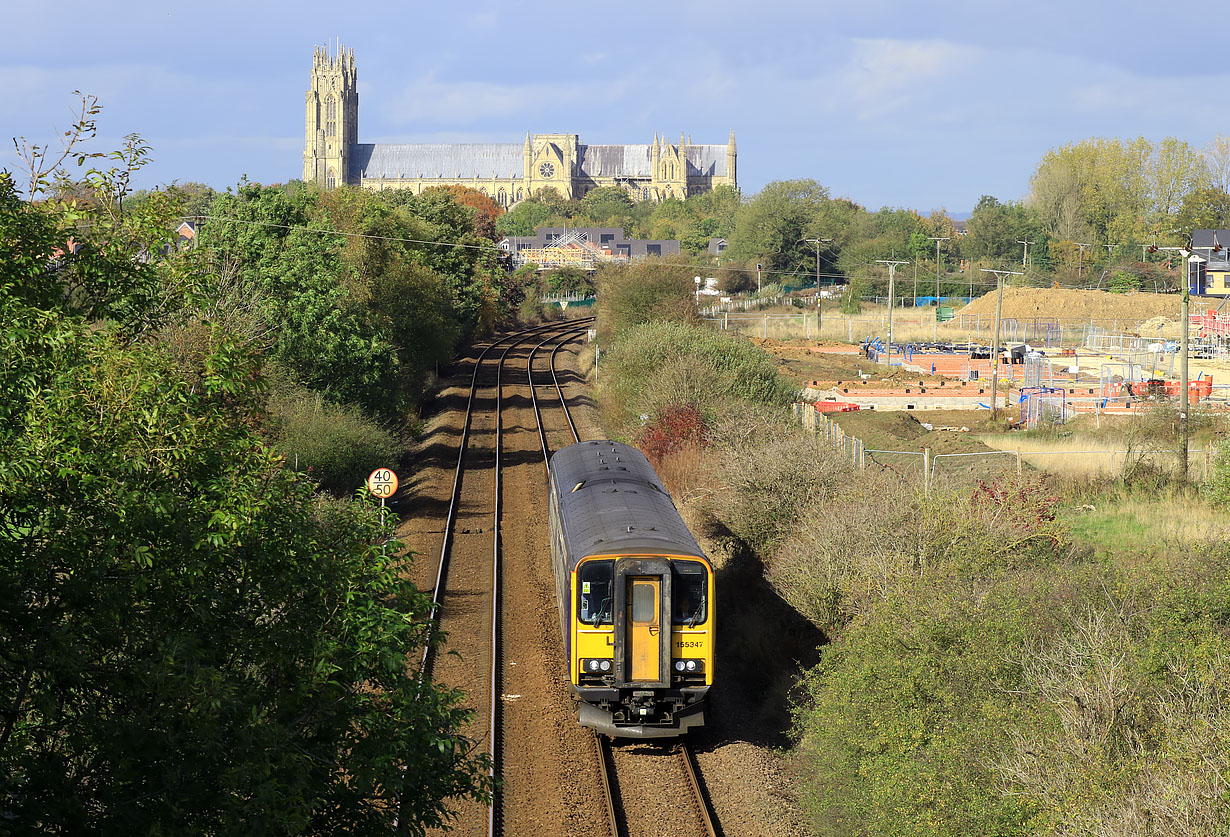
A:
[494,248]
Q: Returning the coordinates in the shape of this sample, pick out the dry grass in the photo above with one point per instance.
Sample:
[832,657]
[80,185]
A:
[1092,456]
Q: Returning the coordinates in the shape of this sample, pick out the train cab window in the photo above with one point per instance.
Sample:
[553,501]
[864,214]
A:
[597,598]
[689,593]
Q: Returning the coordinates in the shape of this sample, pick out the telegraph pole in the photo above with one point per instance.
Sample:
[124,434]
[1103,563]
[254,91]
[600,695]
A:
[1081,264]
[999,307]
[935,331]
[892,274]
[1025,257]
[1189,259]
[816,242]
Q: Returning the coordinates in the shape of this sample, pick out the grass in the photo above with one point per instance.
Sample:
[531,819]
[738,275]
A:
[1120,523]
[1082,455]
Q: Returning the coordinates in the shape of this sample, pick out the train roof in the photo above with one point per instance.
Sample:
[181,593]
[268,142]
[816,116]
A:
[611,502]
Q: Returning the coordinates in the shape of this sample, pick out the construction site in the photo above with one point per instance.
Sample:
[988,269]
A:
[1063,353]
[1089,368]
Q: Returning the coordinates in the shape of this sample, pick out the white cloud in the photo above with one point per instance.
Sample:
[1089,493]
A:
[883,76]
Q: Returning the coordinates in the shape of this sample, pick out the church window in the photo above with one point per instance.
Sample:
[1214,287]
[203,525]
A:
[330,117]
[520,194]
[503,198]
[645,194]
[330,180]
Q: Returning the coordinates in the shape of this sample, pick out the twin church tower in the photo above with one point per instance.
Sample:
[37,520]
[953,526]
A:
[506,172]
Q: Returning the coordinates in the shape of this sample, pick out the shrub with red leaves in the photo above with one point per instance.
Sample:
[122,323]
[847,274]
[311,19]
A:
[673,428]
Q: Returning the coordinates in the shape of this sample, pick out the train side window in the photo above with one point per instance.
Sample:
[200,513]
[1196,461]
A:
[689,593]
[595,592]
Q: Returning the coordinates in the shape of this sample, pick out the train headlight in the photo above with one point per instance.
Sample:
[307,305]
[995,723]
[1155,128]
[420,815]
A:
[680,665]
[596,666]
[689,666]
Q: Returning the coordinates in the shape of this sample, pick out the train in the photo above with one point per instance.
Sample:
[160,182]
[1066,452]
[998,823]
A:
[635,594]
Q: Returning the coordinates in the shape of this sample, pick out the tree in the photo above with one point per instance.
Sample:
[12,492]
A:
[486,210]
[525,218]
[189,641]
[1207,208]
[606,202]
[996,228]
[770,226]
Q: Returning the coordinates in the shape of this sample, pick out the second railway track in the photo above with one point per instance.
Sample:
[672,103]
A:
[496,603]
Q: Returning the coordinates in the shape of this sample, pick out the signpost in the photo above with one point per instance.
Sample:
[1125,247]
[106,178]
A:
[382,483]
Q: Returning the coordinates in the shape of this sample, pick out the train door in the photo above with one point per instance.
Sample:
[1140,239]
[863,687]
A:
[644,627]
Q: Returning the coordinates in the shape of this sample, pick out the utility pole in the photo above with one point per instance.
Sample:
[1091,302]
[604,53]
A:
[935,331]
[816,242]
[1190,258]
[1081,264]
[892,274]
[999,307]
[1025,257]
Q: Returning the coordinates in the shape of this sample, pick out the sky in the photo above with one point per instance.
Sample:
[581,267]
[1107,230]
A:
[886,102]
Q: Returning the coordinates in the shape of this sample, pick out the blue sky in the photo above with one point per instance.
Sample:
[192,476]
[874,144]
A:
[888,103]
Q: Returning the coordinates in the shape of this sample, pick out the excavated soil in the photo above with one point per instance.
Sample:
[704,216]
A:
[1070,305]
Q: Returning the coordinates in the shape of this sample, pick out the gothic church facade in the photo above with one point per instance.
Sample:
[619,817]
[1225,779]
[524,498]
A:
[506,172]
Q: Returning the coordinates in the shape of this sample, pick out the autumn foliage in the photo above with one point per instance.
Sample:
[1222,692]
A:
[675,428]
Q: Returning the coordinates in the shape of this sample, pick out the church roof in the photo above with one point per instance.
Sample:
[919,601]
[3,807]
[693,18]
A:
[610,160]
[707,160]
[446,160]
[637,160]
[506,160]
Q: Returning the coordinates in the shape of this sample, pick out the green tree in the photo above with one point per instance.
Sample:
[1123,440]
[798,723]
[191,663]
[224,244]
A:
[604,203]
[770,227]
[1207,208]
[189,641]
[996,230]
[525,218]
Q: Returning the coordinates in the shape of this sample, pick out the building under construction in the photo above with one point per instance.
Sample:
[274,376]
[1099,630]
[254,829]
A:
[581,247]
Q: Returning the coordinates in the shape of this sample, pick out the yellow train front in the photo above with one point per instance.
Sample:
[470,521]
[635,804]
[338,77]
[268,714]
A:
[635,594]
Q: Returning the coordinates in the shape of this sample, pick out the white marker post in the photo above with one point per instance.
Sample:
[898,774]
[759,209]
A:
[382,483]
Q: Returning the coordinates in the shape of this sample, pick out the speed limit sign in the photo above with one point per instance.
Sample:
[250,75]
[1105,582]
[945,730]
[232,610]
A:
[382,483]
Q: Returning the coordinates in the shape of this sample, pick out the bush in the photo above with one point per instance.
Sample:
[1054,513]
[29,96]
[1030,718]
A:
[774,474]
[667,364]
[650,290]
[336,445]
[674,428]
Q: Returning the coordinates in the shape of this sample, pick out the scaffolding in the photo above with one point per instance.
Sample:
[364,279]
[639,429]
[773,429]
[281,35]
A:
[572,249]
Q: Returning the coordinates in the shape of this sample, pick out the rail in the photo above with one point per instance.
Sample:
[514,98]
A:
[702,804]
[508,344]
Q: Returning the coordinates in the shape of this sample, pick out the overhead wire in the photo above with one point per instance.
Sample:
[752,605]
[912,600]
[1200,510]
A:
[1088,285]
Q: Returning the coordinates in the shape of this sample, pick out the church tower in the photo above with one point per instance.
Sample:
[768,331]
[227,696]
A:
[332,123]
[732,156]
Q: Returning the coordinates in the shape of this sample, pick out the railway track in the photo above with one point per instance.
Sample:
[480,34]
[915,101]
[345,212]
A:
[668,795]
[618,821]
[466,597]
[470,569]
